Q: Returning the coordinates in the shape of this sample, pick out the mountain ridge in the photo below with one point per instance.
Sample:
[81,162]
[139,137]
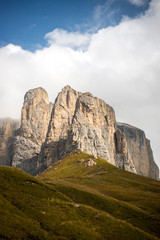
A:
[77,121]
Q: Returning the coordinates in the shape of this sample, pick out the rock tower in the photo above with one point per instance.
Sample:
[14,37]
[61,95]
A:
[77,121]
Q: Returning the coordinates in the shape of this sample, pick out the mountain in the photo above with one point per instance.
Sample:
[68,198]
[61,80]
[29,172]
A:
[79,197]
[8,129]
[77,121]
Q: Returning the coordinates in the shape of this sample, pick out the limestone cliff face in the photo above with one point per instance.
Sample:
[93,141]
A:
[75,121]
[80,121]
[122,157]
[93,127]
[35,117]
[60,126]
[8,129]
[153,168]
[139,151]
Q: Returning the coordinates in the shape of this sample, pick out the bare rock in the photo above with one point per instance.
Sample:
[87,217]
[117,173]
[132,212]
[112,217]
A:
[25,155]
[59,132]
[122,156]
[76,122]
[93,127]
[139,151]
[35,117]
[90,163]
[80,121]
[24,149]
[8,128]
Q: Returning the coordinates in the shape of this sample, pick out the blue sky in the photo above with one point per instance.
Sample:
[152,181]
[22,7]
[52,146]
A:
[25,22]
[110,48]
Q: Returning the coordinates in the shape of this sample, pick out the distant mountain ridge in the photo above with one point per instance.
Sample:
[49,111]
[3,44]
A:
[75,121]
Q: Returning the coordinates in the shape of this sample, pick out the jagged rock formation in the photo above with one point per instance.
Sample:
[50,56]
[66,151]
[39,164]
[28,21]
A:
[80,121]
[59,130]
[139,150]
[8,129]
[77,121]
[123,157]
[35,117]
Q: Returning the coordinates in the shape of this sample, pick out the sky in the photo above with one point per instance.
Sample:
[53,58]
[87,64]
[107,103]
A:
[110,48]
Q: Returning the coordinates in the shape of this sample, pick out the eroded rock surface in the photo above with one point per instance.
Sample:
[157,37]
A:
[139,150]
[35,117]
[80,121]
[94,126]
[75,121]
[90,163]
[8,129]
[122,157]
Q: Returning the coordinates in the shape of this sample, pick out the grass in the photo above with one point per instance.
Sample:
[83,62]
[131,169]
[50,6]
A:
[71,201]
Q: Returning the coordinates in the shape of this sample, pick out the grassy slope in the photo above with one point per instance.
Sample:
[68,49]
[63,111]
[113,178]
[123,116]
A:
[70,201]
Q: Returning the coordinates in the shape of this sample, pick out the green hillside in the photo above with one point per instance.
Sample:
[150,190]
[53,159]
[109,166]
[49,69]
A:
[71,201]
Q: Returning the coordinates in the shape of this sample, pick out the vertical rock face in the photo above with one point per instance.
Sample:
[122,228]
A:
[8,128]
[93,127]
[75,121]
[35,117]
[153,168]
[123,157]
[139,151]
[60,125]
[80,121]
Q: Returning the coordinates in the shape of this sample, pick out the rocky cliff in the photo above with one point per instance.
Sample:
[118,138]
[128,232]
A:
[8,129]
[139,150]
[83,122]
[35,117]
[77,121]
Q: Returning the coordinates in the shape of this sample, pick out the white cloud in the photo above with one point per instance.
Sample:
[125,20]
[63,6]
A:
[138,2]
[120,64]
[68,39]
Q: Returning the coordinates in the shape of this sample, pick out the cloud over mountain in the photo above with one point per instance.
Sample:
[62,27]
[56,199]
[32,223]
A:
[119,64]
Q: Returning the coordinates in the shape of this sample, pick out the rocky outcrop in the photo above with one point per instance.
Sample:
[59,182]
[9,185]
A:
[35,117]
[122,157]
[139,150]
[90,163]
[8,129]
[153,168]
[93,127]
[77,121]
[80,121]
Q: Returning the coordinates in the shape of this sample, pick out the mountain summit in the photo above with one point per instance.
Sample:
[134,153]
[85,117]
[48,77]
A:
[76,121]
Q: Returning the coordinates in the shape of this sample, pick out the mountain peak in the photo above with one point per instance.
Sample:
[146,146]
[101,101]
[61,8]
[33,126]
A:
[77,121]
[67,88]
[36,94]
